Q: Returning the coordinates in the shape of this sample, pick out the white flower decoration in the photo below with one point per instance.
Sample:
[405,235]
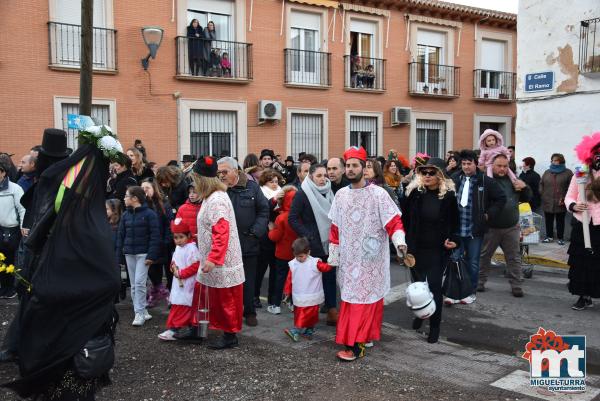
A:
[106,127]
[94,130]
[109,143]
[119,147]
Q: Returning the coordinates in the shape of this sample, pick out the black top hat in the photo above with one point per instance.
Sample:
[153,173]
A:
[289,159]
[267,152]
[206,166]
[188,158]
[54,143]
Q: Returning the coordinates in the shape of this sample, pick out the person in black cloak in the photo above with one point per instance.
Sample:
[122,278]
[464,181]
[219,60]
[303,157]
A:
[73,280]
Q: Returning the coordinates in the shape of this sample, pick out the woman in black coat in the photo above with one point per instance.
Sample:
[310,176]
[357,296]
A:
[195,35]
[210,34]
[430,218]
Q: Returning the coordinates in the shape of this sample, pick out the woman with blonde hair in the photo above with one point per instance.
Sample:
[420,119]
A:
[222,270]
[431,221]
[139,169]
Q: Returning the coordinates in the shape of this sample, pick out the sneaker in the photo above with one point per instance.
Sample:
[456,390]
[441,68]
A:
[147,316]
[346,355]
[468,300]
[138,320]
[293,333]
[369,344]
[167,335]
[579,305]
[588,302]
[548,240]
[561,242]
[449,301]
[517,292]
[275,310]
[308,333]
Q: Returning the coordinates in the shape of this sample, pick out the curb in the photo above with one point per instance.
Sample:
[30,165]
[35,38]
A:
[539,260]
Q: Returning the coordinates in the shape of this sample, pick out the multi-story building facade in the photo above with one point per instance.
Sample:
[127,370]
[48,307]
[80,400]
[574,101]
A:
[302,75]
[561,51]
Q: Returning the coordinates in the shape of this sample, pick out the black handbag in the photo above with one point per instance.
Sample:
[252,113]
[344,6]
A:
[96,358]
[457,282]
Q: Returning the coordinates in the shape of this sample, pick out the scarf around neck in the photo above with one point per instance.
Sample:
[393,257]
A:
[268,192]
[320,199]
[557,169]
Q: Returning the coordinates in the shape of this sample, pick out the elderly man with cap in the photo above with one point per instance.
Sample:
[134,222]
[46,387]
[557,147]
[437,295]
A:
[252,216]
[363,217]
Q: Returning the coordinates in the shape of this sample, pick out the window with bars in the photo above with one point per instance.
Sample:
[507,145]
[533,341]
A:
[431,137]
[213,132]
[363,132]
[100,114]
[306,131]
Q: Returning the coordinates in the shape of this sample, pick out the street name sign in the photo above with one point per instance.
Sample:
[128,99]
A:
[539,82]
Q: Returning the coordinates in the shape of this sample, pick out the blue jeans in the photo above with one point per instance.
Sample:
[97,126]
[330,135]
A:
[470,247]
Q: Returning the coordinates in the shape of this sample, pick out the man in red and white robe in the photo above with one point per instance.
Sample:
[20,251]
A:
[363,218]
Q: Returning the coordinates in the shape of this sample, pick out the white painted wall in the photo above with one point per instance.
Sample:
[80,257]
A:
[553,123]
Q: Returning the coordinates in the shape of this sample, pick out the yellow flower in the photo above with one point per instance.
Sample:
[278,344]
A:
[10,269]
[2,257]
[2,268]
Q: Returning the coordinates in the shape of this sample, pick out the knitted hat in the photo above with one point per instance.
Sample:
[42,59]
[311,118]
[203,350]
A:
[179,226]
[206,166]
[354,152]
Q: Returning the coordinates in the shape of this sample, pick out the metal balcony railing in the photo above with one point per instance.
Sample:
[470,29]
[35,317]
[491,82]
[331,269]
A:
[306,67]
[64,45]
[494,85]
[433,79]
[364,73]
[589,46]
[213,58]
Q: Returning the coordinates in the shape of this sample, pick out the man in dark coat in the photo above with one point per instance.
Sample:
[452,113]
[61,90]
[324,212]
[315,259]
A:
[482,201]
[335,172]
[252,217]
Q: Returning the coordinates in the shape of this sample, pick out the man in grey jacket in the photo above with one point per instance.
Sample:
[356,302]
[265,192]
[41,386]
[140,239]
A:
[504,230]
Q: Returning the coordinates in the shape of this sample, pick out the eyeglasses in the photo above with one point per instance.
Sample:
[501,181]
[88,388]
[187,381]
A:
[222,172]
[430,173]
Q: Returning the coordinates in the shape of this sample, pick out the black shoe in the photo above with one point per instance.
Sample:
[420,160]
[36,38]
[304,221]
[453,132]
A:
[7,356]
[579,305]
[257,303]
[417,323]
[225,341]
[517,292]
[434,335]
[9,294]
[187,333]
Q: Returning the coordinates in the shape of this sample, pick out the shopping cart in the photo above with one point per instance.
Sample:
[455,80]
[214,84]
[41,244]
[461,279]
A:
[530,225]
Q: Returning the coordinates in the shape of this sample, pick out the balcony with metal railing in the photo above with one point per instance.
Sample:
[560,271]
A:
[365,74]
[436,80]
[589,46]
[494,85]
[307,68]
[213,60]
[64,45]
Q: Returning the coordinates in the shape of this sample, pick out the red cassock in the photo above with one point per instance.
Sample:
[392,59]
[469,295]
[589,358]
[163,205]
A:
[226,305]
[360,323]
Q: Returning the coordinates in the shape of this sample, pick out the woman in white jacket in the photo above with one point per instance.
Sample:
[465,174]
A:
[11,218]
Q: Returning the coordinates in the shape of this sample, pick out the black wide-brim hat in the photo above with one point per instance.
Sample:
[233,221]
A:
[206,166]
[434,162]
[54,143]
[188,158]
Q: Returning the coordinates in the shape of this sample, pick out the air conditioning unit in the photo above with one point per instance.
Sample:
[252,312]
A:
[400,115]
[269,110]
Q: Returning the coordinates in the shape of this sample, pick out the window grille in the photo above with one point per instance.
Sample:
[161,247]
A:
[431,137]
[213,133]
[100,113]
[363,132]
[307,134]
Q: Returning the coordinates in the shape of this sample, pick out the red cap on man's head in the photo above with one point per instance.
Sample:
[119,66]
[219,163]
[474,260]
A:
[354,152]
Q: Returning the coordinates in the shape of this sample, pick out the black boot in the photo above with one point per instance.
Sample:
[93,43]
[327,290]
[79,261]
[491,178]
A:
[227,340]
[417,323]
[434,334]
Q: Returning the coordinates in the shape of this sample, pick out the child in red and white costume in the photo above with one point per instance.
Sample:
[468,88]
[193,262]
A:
[184,266]
[305,284]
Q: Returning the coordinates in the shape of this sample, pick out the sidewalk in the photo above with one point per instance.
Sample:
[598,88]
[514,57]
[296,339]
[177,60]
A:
[551,255]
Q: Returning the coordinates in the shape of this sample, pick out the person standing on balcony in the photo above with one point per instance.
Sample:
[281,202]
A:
[195,35]
[210,34]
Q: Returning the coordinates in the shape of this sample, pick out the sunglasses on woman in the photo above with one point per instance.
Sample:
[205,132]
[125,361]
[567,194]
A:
[430,173]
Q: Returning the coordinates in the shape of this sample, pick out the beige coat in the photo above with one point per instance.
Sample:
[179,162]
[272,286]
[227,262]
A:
[553,188]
